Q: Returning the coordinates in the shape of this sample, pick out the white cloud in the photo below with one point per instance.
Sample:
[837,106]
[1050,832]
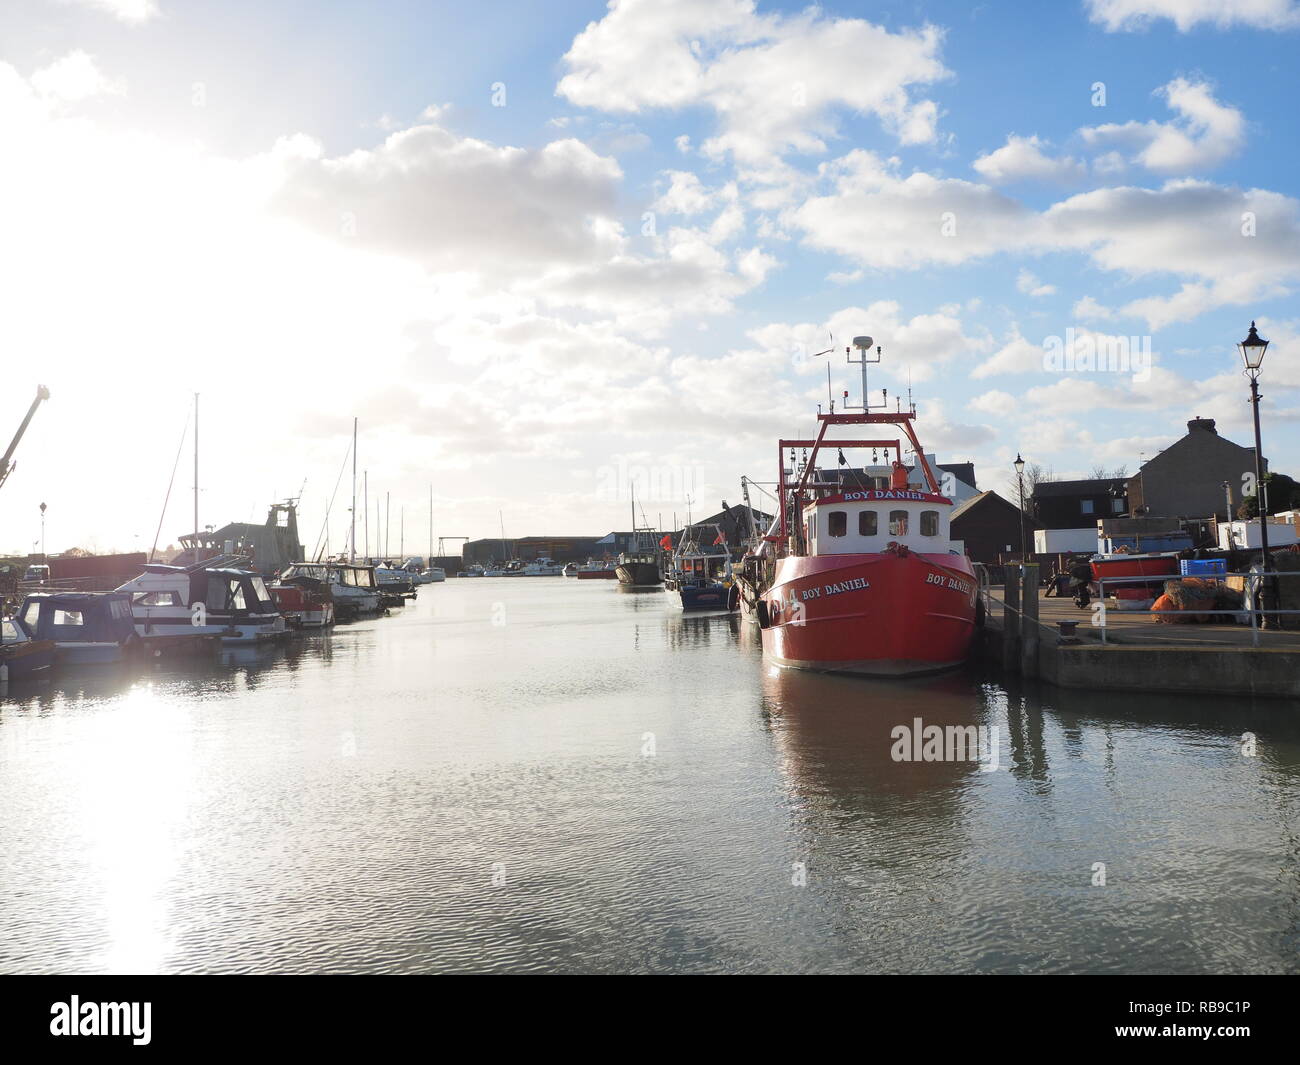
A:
[874,216]
[1223,245]
[458,203]
[1030,285]
[1016,355]
[1187,14]
[124,10]
[1001,404]
[686,195]
[72,78]
[1088,309]
[771,80]
[1023,159]
[1205,134]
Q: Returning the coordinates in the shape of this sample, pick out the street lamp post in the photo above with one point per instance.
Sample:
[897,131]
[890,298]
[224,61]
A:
[1252,356]
[1020,480]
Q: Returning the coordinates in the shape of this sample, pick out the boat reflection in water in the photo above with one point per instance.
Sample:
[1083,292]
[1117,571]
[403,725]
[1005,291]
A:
[1091,848]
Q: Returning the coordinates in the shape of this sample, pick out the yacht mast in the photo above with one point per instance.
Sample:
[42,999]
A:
[352,547]
[196,476]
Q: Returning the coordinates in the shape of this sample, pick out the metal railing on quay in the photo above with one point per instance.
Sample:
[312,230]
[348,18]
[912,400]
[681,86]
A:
[1254,583]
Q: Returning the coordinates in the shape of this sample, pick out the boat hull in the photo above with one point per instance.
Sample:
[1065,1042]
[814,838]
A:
[27,658]
[596,575]
[638,574]
[700,596]
[885,615]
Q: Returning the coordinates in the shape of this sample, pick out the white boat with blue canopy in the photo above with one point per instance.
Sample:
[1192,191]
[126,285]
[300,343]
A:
[215,597]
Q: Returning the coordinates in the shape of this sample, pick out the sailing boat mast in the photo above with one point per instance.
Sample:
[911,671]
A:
[352,548]
[430,561]
[196,473]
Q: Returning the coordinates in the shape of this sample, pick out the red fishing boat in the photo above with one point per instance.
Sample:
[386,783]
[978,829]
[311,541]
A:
[858,573]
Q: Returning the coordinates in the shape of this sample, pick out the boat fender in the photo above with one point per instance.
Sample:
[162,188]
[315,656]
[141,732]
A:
[903,551]
[764,616]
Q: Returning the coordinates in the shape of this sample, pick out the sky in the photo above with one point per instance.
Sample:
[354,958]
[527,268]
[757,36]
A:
[550,254]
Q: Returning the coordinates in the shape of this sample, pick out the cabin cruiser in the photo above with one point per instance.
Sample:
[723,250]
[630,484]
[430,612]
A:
[354,588]
[396,586]
[303,594]
[216,597]
[86,627]
[513,568]
[543,567]
[472,571]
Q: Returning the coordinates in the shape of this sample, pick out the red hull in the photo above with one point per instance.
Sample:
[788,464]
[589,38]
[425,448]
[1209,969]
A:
[877,614]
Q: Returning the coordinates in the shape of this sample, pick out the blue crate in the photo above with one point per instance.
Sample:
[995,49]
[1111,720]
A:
[1203,567]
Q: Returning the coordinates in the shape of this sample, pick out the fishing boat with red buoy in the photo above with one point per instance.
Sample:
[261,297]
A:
[858,573]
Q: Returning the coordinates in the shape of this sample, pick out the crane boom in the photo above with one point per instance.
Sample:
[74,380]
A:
[6,463]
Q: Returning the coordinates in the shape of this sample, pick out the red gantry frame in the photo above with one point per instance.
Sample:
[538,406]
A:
[903,419]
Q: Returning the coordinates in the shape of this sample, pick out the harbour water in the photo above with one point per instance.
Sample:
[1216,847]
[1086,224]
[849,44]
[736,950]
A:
[536,775]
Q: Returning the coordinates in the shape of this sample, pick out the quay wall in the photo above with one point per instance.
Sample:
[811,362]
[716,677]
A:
[1024,645]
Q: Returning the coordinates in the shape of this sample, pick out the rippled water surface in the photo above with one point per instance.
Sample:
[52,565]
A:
[551,775]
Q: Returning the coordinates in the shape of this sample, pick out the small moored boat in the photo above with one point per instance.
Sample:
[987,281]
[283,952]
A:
[86,627]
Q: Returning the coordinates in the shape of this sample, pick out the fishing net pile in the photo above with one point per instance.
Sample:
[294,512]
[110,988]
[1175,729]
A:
[1288,588]
[1189,599]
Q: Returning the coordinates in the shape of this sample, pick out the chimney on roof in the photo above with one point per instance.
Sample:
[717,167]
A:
[1206,424]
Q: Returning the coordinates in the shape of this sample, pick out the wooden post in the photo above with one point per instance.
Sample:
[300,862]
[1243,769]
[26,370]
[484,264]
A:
[1029,621]
[1011,619]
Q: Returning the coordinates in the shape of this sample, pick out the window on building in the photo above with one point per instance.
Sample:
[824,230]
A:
[866,523]
[898,523]
[838,523]
[929,523]
[1117,506]
[1085,506]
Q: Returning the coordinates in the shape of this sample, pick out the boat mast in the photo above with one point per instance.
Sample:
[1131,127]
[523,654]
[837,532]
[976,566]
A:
[388,519]
[401,531]
[366,503]
[636,539]
[352,549]
[430,562]
[196,476]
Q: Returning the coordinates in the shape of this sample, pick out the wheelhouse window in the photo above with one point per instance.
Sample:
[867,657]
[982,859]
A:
[838,523]
[68,617]
[10,631]
[867,523]
[929,523]
[31,616]
[898,523]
